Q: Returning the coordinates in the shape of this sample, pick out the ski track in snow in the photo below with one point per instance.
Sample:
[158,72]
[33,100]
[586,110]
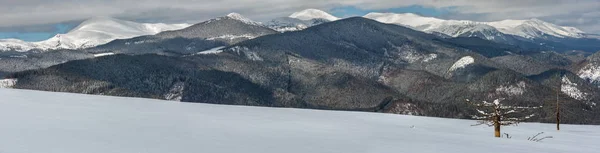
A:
[34,121]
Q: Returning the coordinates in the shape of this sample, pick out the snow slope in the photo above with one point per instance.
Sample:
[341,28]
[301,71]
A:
[90,33]
[34,121]
[310,14]
[533,28]
[462,63]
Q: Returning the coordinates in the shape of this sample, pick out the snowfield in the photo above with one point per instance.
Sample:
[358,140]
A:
[36,122]
[462,63]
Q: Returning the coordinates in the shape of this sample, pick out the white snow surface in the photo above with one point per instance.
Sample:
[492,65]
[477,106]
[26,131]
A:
[310,14]
[91,33]
[462,63]
[533,28]
[34,121]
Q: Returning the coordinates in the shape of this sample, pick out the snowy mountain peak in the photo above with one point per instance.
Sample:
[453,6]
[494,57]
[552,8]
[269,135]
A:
[535,28]
[532,28]
[237,16]
[100,19]
[406,19]
[310,14]
[90,33]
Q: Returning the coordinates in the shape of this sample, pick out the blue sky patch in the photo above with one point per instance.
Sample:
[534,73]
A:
[37,36]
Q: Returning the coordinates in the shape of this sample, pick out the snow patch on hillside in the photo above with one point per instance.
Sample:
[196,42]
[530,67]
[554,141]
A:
[8,83]
[512,90]
[176,92]
[104,54]
[570,89]
[412,57]
[590,72]
[253,56]
[232,37]
[215,50]
[462,63]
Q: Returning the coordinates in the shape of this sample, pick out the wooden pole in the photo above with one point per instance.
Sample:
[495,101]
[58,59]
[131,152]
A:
[557,112]
[497,126]
[497,121]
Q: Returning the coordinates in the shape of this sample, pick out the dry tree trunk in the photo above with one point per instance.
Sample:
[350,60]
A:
[497,126]
[558,109]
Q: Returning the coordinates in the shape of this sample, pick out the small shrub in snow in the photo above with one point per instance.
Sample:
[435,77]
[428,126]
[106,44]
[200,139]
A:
[537,138]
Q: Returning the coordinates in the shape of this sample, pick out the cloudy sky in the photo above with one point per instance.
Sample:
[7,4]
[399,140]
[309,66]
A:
[38,19]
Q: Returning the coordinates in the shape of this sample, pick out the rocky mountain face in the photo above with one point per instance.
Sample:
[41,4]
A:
[349,64]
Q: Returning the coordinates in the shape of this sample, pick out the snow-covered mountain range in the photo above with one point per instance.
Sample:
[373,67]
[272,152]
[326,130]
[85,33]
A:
[531,29]
[505,31]
[101,30]
[90,33]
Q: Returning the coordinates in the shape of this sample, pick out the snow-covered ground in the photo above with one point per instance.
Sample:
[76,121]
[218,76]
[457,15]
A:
[36,122]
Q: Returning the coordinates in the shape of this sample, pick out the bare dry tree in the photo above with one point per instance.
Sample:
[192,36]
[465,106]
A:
[496,114]
[557,112]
